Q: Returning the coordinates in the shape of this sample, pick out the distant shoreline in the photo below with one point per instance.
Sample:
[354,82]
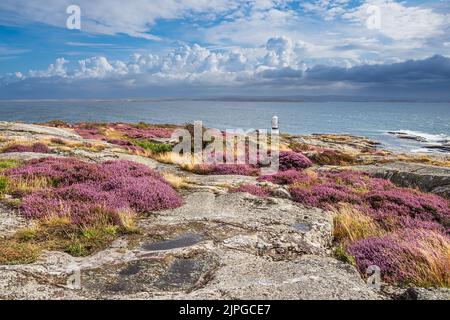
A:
[318,99]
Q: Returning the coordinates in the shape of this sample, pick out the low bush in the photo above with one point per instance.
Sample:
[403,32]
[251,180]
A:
[153,146]
[409,256]
[287,177]
[333,157]
[36,147]
[225,169]
[86,192]
[293,160]
[404,231]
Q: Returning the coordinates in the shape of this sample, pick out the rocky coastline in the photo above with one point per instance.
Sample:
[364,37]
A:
[219,243]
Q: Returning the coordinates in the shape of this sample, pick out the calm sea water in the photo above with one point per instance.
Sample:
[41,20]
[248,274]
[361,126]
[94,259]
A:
[370,119]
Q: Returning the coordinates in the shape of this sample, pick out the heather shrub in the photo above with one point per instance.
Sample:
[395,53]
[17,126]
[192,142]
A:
[400,202]
[409,256]
[36,147]
[287,177]
[144,194]
[323,195]
[293,160]
[19,187]
[89,193]
[258,191]
[333,157]
[225,169]
[376,223]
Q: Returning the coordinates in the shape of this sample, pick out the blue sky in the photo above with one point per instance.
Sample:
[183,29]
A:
[147,48]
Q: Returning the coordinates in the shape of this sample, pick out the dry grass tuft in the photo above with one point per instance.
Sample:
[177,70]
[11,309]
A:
[177,182]
[14,252]
[351,225]
[22,186]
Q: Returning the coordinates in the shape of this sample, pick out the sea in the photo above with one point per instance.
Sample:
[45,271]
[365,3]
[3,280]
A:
[426,124]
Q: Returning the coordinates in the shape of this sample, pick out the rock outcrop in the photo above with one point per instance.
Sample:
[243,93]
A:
[424,177]
[218,245]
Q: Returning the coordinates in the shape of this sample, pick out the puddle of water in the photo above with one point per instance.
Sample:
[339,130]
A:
[182,274]
[303,227]
[186,240]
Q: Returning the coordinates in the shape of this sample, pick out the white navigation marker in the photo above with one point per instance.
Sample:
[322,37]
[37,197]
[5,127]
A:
[275,125]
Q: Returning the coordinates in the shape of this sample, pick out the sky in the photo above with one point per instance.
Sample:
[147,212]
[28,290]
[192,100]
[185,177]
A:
[204,48]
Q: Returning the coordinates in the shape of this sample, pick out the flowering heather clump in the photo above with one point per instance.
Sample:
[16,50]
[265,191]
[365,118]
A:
[323,195]
[224,169]
[142,131]
[293,160]
[403,231]
[83,190]
[93,134]
[420,257]
[287,177]
[60,170]
[401,202]
[357,180]
[36,147]
[252,189]
[229,169]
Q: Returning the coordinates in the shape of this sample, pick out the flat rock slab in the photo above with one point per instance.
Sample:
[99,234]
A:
[220,180]
[37,129]
[413,175]
[25,156]
[310,277]
[10,221]
[271,223]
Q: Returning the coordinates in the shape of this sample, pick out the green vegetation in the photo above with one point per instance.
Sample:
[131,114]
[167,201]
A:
[8,164]
[153,146]
[3,184]
[342,255]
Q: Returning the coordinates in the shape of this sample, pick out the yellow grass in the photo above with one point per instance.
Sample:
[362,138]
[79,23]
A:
[55,221]
[424,159]
[17,141]
[351,225]
[176,181]
[13,252]
[128,220]
[27,185]
[432,253]
[114,134]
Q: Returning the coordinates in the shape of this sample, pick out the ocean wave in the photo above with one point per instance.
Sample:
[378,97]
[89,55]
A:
[421,136]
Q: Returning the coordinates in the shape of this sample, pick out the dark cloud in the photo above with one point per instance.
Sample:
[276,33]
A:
[427,79]
[434,69]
